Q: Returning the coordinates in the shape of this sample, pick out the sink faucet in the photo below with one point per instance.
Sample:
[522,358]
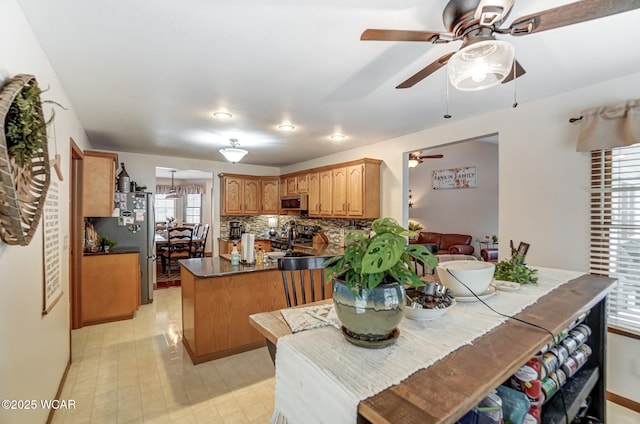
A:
[293,232]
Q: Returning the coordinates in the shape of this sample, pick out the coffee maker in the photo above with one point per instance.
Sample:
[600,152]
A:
[235,230]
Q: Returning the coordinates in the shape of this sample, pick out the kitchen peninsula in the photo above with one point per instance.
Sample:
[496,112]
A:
[217,299]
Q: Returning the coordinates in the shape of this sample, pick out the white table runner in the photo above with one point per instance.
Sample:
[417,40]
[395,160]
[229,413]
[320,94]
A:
[321,378]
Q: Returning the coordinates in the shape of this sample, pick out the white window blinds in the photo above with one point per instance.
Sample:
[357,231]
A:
[615,230]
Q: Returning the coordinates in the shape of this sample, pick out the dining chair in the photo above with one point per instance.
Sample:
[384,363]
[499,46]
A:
[179,242]
[199,242]
[301,276]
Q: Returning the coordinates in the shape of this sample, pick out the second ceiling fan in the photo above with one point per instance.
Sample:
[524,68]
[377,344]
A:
[483,61]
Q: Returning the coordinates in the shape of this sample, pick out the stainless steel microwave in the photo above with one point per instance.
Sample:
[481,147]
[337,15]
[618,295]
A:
[298,202]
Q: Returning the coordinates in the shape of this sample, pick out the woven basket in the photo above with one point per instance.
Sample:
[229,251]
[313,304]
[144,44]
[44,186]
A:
[23,190]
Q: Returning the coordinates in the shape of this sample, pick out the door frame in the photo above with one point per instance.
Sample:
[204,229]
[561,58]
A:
[76,224]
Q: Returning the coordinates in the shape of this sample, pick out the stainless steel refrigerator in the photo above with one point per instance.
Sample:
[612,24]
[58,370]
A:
[134,228]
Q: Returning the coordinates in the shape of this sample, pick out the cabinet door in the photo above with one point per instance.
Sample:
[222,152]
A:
[339,188]
[232,195]
[314,194]
[302,183]
[270,196]
[110,287]
[355,190]
[292,186]
[251,196]
[99,183]
[326,196]
[283,187]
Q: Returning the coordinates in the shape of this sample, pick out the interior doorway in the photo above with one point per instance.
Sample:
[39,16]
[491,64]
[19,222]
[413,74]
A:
[458,210]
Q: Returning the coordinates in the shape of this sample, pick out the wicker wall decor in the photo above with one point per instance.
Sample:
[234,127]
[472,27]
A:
[23,189]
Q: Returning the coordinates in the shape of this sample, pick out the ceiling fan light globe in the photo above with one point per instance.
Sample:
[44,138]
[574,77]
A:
[233,154]
[412,163]
[480,65]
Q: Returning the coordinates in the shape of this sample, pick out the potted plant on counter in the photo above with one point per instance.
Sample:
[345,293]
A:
[369,279]
[515,270]
[106,244]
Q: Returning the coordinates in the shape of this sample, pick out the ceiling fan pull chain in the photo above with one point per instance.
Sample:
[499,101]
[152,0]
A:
[446,81]
[515,81]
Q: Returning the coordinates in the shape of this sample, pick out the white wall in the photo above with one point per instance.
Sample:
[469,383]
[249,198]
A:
[544,183]
[471,211]
[35,348]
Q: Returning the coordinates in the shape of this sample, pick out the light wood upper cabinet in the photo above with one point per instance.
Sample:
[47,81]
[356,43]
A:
[251,196]
[348,189]
[270,195]
[339,189]
[240,195]
[314,194]
[98,183]
[325,193]
[302,184]
[355,190]
[232,194]
[291,184]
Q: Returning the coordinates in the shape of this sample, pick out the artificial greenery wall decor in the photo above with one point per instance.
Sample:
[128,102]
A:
[24,160]
[26,129]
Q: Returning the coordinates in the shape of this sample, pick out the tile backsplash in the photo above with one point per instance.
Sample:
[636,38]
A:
[258,225]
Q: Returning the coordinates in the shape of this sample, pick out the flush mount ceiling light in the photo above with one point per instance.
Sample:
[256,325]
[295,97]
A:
[233,154]
[337,137]
[286,127]
[222,115]
[481,63]
[172,192]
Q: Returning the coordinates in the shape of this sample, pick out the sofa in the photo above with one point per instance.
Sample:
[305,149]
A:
[447,244]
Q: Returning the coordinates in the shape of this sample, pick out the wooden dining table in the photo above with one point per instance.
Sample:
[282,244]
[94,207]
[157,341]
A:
[445,391]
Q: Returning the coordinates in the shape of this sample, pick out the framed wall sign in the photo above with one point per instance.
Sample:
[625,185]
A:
[455,178]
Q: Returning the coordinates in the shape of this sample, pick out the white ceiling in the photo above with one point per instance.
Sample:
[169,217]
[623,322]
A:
[145,76]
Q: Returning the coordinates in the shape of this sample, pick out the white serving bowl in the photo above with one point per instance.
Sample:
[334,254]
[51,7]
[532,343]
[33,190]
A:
[477,275]
[424,314]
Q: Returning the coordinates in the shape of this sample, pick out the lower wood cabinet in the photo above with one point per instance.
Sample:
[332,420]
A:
[110,287]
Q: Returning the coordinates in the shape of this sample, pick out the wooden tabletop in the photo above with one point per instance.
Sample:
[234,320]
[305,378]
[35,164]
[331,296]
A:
[445,391]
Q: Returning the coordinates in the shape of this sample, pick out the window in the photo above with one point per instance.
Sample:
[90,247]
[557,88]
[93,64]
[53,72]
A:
[193,209]
[615,230]
[164,208]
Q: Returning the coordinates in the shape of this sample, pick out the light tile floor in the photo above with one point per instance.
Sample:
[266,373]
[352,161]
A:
[137,371]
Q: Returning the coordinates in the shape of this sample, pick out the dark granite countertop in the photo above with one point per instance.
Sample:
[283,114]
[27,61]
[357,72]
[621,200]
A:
[216,266]
[114,251]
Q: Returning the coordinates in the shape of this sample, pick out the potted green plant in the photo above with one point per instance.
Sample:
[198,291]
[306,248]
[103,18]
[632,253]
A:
[515,270]
[369,279]
[414,226]
[106,244]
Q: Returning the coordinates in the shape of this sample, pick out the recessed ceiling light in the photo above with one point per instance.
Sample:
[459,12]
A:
[337,137]
[286,127]
[222,115]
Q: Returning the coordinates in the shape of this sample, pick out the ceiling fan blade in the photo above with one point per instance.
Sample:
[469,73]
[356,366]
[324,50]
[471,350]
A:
[425,72]
[431,157]
[519,72]
[570,14]
[399,35]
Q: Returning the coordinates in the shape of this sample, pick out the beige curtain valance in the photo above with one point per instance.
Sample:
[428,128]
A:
[609,126]
[181,189]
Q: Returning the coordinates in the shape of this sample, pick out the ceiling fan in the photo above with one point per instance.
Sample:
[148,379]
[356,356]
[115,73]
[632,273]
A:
[483,61]
[416,158]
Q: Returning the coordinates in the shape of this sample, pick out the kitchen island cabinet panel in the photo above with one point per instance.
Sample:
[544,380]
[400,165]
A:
[217,299]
